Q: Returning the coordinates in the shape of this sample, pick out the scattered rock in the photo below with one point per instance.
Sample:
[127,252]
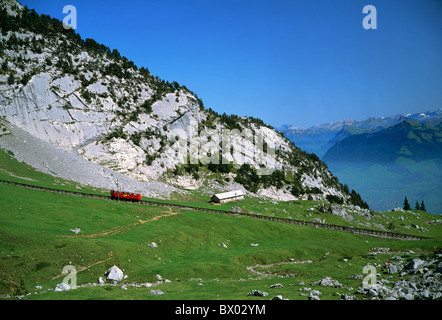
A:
[379,250]
[424,284]
[62,287]
[329,282]
[305,289]
[156,292]
[277,285]
[75,230]
[235,209]
[414,265]
[314,295]
[257,293]
[392,268]
[153,245]
[222,244]
[114,273]
[348,297]
[254,244]
[158,277]
[317,220]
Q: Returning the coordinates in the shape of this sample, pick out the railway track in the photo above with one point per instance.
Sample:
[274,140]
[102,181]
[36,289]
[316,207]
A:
[368,232]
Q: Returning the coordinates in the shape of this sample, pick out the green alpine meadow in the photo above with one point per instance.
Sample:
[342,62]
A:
[194,155]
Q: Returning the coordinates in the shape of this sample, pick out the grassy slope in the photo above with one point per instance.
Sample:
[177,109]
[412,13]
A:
[36,243]
[34,250]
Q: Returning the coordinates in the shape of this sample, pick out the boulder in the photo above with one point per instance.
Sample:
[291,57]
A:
[257,293]
[75,230]
[156,292]
[276,285]
[62,287]
[329,282]
[314,295]
[392,268]
[348,297]
[438,268]
[414,265]
[114,273]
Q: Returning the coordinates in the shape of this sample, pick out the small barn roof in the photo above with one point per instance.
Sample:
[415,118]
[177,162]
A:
[230,194]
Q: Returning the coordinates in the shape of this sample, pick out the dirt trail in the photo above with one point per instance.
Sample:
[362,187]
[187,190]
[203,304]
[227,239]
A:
[264,266]
[81,268]
[119,229]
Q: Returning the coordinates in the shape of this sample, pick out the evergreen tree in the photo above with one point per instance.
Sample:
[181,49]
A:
[406,204]
[11,79]
[423,206]
[417,207]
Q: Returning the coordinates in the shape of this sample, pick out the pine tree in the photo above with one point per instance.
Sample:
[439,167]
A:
[417,207]
[11,79]
[423,206]
[406,204]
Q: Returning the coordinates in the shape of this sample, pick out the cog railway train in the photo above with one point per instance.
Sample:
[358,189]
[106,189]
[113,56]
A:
[123,195]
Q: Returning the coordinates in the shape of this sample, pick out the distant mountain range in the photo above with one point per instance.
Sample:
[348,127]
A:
[385,159]
[319,139]
[407,139]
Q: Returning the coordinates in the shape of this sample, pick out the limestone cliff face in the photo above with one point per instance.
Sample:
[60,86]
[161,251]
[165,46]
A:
[81,98]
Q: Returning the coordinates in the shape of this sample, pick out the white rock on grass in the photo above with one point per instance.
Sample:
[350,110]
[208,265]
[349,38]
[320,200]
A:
[114,273]
[156,292]
[257,293]
[62,287]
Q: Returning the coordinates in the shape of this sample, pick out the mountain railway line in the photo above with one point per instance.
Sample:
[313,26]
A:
[368,232]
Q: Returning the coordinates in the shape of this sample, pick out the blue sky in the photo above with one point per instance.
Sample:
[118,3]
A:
[299,62]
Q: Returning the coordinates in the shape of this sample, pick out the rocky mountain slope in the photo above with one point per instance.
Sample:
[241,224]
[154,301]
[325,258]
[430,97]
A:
[81,97]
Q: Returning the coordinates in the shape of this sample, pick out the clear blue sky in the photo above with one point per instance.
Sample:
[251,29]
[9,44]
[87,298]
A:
[299,62]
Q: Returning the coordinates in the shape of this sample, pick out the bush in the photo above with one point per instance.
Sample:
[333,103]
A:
[334,199]
[11,79]
[86,95]
[25,79]
[41,265]
[147,106]
[355,199]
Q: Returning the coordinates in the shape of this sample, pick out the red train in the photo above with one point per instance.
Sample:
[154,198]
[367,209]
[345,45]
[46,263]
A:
[125,195]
